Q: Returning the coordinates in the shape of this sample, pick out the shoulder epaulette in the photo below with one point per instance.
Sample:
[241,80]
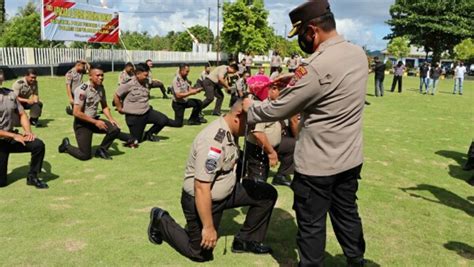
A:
[221,134]
[84,87]
[20,82]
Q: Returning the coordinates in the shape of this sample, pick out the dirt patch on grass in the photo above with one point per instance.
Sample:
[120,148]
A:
[59,206]
[100,177]
[70,181]
[74,245]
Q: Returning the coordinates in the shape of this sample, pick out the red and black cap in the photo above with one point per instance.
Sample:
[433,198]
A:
[305,12]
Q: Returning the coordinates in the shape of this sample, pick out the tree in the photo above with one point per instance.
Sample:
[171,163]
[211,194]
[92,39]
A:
[465,50]
[435,25]
[286,48]
[137,40]
[184,42]
[246,27]
[399,47]
[2,12]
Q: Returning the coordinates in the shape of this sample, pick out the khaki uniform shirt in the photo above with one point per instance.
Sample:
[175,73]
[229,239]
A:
[180,85]
[213,158]
[88,98]
[271,129]
[136,97]
[10,109]
[241,85]
[276,61]
[203,75]
[23,90]
[219,72]
[124,77]
[331,99]
[74,79]
[292,63]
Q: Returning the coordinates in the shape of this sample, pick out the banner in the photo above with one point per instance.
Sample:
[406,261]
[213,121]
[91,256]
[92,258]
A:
[70,21]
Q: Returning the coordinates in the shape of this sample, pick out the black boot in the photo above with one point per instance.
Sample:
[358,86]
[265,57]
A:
[241,246]
[154,234]
[64,145]
[103,154]
[280,179]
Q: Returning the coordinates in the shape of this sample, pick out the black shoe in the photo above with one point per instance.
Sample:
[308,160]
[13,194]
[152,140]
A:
[358,262]
[169,91]
[469,165]
[241,246]
[35,181]
[132,143]
[154,234]
[63,146]
[102,153]
[193,122]
[281,180]
[69,110]
[35,122]
[152,138]
[216,114]
[202,120]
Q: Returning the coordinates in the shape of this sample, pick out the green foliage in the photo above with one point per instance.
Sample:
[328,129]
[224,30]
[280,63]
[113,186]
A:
[435,25]
[465,50]
[2,13]
[388,65]
[246,27]
[399,47]
[287,47]
[184,42]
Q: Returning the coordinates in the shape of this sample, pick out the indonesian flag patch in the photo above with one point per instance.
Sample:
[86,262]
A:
[213,157]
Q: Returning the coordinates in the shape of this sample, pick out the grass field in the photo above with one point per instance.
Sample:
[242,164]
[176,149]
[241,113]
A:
[416,206]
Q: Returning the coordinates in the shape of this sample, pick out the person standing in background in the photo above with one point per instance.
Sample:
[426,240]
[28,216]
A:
[398,72]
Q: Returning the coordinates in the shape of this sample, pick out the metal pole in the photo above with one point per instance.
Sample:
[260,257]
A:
[51,58]
[208,29]
[113,64]
[218,33]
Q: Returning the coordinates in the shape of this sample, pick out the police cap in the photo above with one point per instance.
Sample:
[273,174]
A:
[305,12]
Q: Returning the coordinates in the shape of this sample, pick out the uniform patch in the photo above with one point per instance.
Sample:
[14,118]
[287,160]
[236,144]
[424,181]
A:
[213,157]
[220,135]
[229,137]
[300,72]
[84,87]
[82,97]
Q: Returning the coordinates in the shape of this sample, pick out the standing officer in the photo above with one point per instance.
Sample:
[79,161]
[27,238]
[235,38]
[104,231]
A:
[248,63]
[213,86]
[12,142]
[27,91]
[155,83]
[181,91]
[87,98]
[74,80]
[133,100]
[328,153]
[210,187]
[275,62]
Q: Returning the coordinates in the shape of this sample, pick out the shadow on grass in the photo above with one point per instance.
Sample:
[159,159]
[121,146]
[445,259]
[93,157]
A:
[113,151]
[22,172]
[340,261]
[209,112]
[456,171]
[44,122]
[463,250]
[444,197]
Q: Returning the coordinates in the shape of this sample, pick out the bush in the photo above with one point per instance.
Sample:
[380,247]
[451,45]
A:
[388,65]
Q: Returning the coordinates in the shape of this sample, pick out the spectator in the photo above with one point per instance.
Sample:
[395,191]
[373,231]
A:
[424,80]
[379,70]
[435,73]
[459,72]
[398,71]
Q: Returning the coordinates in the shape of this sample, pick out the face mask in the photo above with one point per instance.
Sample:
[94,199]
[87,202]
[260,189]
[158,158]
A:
[305,44]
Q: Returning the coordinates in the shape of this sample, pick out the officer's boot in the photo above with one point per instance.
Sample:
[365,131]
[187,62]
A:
[35,181]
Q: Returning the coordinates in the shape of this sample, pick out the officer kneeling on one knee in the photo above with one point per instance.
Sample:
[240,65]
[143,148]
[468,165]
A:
[26,90]
[210,187]
[11,142]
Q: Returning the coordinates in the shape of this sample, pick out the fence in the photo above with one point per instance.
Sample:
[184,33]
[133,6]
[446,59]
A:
[14,56]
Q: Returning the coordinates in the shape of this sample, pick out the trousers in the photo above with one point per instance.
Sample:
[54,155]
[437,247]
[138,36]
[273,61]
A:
[212,91]
[179,109]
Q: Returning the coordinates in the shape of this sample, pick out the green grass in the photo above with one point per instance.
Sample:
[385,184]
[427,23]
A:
[96,212]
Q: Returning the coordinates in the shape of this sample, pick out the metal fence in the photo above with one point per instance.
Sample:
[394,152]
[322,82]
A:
[14,56]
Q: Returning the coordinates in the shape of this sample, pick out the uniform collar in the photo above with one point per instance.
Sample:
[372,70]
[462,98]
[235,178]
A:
[225,126]
[326,44]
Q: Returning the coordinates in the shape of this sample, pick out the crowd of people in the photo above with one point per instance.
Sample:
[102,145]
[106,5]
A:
[429,75]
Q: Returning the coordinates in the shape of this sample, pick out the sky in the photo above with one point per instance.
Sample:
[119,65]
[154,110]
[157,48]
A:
[360,21]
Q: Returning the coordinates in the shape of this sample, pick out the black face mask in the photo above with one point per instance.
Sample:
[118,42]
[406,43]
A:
[305,44]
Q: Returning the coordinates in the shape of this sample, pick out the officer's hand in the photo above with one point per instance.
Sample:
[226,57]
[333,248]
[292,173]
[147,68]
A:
[30,102]
[273,157]
[247,103]
[101,125]
[19,139]
[114,122]
[209,238]
[29,137]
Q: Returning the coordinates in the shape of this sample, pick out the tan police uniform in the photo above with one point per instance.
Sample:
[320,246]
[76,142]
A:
[292,64]
[330,140]
[124,77]
[73,79]
[10,109]
[24,90]
[213,159]
[135,97]
[88,98]
[213,88]
[156,84]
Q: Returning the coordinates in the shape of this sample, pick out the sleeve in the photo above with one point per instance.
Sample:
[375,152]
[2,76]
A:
[222,72]
[16,87]
[123,90]
[19,107]
[209,159]
[68,78]
[307,89]
[176,86]
[35,89]
[79,97]
[259,128]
